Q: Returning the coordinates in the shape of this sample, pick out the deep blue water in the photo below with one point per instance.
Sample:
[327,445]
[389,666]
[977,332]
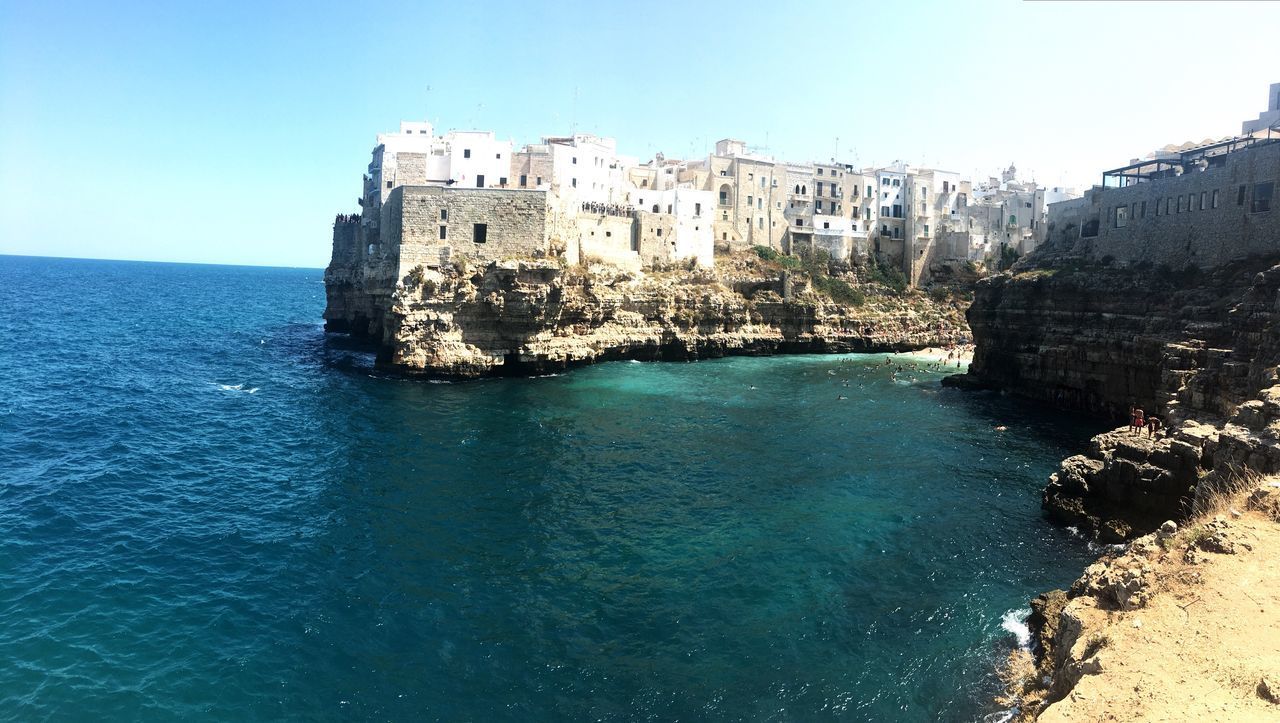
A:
[209,510]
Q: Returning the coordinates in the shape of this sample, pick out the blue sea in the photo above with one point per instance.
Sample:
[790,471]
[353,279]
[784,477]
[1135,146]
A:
[210,510]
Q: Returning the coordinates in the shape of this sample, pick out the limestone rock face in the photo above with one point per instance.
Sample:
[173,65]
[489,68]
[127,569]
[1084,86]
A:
[529,317]
[1199,349]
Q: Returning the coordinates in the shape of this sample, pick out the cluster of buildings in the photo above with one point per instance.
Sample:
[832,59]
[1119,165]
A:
[1197,204]
[429,199]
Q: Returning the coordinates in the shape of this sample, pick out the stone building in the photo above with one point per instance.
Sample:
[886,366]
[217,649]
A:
[1200,207]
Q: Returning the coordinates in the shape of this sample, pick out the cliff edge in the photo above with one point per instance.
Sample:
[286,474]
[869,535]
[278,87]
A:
[529,316]
[1184,624]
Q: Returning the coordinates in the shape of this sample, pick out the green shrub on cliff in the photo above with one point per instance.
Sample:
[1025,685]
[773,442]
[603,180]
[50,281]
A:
[838,290]
[887,275]
[766,253]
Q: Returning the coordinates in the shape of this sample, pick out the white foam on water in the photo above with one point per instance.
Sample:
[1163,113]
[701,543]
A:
[1015,621]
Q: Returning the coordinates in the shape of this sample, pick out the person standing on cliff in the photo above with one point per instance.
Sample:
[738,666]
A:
[1138,421]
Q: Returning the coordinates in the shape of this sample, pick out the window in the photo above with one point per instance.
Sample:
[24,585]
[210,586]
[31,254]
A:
[826,224]
[804,190]
[897,182]
[444,232]
[819,191]
[760,203]
[574,182]
[760,223]
[655,208]
[1240,197]
[575,160]
[524,181]
[697,209]
[539,181]
[866,214]
[480,181]
[466,152]
[724,195]
[884,181]
[750,201]
[608,234]
[799,221]
[818,206]
[897,210]
[1203,195]
[1142,210]
[480,233]
[884,210]
[1261,197]
[762,181]
[498,156]
[502,181]
[1089,229]
[1213,199]
[1168,205]
[1179,203]
[819,185]
[926,229]
[444,214]
[388,184]
[946,186]
[668,208]
[868,191]
[1158,207]
[1121,216]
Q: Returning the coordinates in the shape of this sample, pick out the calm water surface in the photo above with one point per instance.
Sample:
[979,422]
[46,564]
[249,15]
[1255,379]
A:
[209,510]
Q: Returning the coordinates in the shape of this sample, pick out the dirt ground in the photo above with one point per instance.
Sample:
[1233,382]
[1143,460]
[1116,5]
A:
[1201,647]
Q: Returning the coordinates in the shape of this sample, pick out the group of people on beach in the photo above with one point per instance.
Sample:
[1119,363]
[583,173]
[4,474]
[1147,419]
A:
[1139,419]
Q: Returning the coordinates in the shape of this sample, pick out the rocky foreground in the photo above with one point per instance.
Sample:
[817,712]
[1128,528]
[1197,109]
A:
[535,316]
[1183,624]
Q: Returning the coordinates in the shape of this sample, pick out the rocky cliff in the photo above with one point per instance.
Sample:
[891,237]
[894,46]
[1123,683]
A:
[1179,625]
[536,315]
[1197,348]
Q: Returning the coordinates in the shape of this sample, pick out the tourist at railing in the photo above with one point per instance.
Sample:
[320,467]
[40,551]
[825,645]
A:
[608,209]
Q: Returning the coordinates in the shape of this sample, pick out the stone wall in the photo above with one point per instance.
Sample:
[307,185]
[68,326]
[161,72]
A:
[608,238]
[514,222]
[656,235]
[1201,218]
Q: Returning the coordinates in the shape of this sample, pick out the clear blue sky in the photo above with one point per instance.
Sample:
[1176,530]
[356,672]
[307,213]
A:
[232,132]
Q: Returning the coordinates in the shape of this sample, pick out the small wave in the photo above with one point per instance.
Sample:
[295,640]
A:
[1074,531]
[237,388]
[1003,716]
[1015,621]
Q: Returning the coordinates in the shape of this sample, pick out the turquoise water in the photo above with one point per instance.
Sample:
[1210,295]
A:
[211,511]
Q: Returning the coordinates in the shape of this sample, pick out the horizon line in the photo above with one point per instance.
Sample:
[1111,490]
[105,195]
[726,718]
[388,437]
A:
[157,261]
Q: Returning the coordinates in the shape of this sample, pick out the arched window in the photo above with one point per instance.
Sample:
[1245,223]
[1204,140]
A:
[655,208]
[726,195]
[797,188]
[804,190]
